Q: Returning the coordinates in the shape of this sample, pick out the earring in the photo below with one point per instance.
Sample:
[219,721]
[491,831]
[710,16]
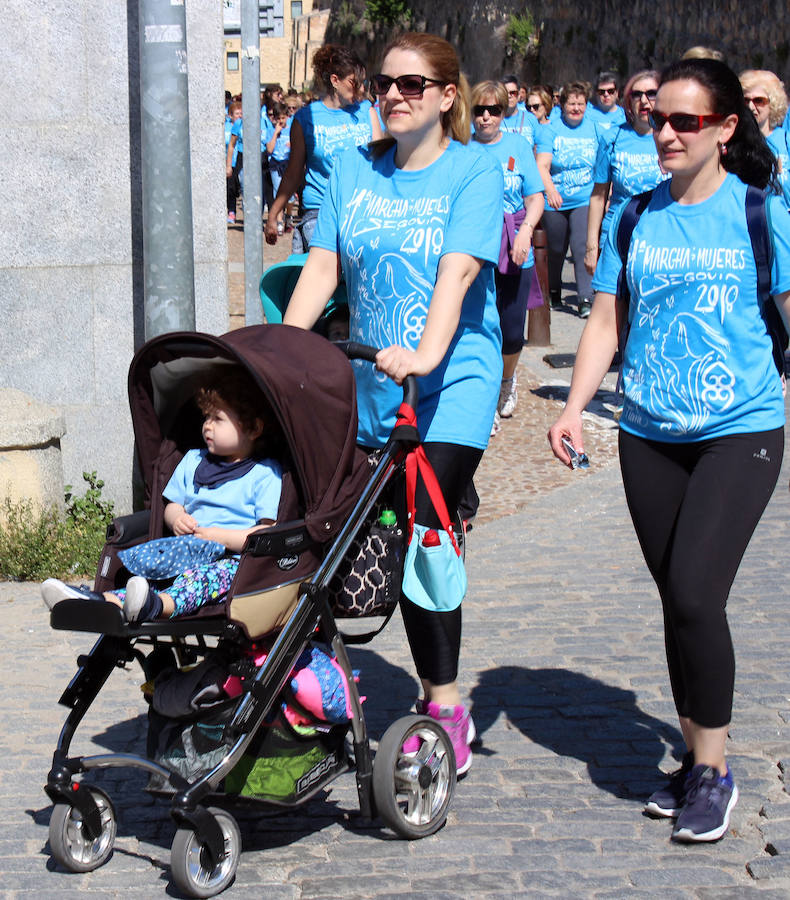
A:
[722,149]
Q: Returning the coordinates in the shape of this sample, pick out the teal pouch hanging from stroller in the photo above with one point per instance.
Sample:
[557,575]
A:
[434,576]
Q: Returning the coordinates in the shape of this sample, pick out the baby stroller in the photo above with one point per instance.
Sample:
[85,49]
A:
[284,596]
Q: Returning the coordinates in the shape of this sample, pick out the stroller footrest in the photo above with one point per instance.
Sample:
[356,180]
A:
[107,618]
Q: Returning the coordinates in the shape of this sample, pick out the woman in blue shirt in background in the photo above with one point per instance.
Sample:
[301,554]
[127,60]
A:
[319,131]
[702,429]
[565,150]
[627,162]
[523,208]
[415,223]
[766,98]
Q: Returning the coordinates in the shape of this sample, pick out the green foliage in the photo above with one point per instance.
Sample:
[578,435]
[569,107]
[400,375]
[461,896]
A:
[389,12]
[40,543]
[520,33]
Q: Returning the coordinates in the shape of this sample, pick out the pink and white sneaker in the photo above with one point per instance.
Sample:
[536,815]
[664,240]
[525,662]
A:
[458,724]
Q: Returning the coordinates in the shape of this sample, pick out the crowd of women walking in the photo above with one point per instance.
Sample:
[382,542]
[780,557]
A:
[673,208]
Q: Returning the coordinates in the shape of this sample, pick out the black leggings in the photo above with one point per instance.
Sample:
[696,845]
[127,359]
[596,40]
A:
[694,507]
[512,295]
[435,637]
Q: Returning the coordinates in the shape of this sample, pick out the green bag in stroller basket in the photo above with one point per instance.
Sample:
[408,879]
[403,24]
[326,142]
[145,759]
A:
[284,763]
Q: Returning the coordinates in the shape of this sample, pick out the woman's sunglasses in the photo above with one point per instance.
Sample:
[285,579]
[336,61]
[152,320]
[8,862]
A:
[759,102]
[534,106]
[650,95]
[407,85]
[493,109]
[682,122]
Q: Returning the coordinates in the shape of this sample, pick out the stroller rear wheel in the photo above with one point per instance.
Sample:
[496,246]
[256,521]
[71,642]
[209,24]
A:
[413,790]
[69,842]
[190,863]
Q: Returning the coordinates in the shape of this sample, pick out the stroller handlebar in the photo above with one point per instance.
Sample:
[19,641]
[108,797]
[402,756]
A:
[354,350]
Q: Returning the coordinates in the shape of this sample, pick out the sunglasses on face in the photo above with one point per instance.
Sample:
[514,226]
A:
[512,93]
[407,85]
[682,122]
[759,102]
[534,106]
[650,95]
[493,109]
[603,91]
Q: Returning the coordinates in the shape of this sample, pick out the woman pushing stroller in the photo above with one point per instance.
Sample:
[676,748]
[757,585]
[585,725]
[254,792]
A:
[415,222]
[217,496]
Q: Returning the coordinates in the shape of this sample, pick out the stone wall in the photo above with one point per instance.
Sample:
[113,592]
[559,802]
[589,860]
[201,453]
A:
[70,216]
[579,37]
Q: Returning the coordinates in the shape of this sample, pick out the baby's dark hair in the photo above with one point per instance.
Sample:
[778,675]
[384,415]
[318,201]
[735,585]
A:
[231,387]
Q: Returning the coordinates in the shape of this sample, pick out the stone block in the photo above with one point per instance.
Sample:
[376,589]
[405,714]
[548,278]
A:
[30,459]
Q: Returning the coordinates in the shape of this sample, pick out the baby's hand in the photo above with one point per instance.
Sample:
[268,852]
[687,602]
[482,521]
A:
[208,534]
[185,524]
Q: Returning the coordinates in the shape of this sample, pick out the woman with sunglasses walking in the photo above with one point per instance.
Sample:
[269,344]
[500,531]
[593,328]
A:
[702,429]
[414,222]
[626,163]
[319,131]
[523,208]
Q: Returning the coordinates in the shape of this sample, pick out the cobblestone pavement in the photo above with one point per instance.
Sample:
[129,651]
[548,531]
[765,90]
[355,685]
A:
[564,670]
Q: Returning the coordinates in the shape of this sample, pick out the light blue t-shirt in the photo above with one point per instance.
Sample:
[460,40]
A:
[327,132]
[228,132]
[698,363]
[629,161]
[238,503]
[573,154]
[779,142]
[238,130]
[391,227]
[606,120]
[267,129]
[522,122]
[282,146]
[520,172]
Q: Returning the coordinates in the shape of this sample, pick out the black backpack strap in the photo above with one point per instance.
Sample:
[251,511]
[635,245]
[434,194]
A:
[762,248]
[625,230]
[633,210]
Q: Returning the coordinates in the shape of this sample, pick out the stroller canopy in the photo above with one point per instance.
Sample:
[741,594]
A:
[310,387]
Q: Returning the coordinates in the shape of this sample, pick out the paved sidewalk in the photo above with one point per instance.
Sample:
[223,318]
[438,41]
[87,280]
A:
[564,668]
[563,664]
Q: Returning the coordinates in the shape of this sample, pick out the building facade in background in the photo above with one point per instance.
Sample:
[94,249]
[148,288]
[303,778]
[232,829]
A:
[291,30]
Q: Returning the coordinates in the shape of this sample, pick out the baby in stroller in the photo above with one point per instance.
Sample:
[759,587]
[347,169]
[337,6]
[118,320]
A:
[215,498]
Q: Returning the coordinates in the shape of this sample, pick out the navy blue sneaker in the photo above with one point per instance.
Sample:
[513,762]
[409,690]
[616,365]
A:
[141,603]
[53,590]
[667,801]
[710,798]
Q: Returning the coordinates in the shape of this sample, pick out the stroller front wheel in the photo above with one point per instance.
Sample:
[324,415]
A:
[413,788]
[191,866]
[69,841]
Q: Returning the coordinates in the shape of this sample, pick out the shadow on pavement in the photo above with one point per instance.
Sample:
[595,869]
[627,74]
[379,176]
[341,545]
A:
[576,716]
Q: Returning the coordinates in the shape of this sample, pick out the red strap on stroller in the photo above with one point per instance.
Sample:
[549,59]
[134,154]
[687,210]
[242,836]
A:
[417,461]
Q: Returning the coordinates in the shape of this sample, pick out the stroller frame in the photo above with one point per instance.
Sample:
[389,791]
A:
[206,848]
